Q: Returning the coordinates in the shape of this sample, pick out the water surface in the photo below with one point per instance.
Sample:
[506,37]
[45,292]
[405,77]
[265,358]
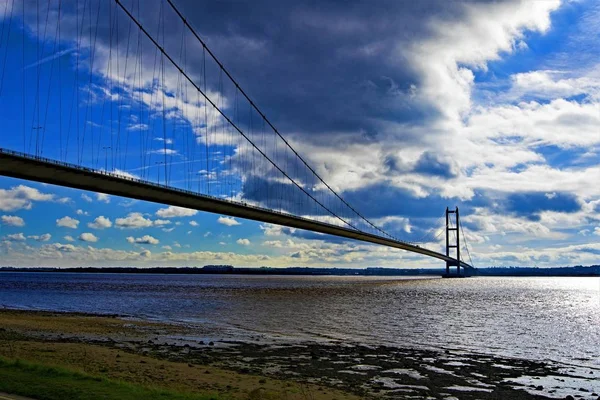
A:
[536,318]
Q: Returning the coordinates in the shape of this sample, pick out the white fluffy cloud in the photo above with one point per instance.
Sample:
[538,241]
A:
[133,220]
[193,223]
[271,229]
[67,222]
[12,220]
[102,197]
[228,221]
[41,238]
[146,239]
[88,237]
[137,220]
[161,222]
[21,197]
[172,212]
[243,242]
[87,255]
[100,223]
[16,237]
[548,84]
[69,238]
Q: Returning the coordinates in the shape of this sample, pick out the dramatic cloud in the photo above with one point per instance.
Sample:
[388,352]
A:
[100,223]
[67,222]
[228,221]
[532,204]
[403,108]
[12,220]
[429,164]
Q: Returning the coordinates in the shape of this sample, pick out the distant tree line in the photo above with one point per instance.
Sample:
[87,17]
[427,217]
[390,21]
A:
[578,270]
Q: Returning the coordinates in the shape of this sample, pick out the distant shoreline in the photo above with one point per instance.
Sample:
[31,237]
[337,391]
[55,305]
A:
[576,271]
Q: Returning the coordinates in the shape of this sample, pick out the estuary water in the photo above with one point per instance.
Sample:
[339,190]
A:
[555,319]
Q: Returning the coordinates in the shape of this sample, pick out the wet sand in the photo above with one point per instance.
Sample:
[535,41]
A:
[173,356]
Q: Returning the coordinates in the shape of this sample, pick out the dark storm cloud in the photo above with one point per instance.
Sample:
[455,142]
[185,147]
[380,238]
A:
[430,164]
[590,250]
[373,201]
[382,200]
[280,196]
[322,66]
[529,205]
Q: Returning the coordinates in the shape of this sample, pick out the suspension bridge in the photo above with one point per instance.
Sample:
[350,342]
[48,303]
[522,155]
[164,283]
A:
[96,96]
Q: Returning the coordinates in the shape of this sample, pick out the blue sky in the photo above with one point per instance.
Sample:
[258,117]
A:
[403,108]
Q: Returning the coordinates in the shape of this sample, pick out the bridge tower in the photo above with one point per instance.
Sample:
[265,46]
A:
[455,245]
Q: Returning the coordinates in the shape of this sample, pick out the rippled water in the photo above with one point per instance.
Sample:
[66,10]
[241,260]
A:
[537,318]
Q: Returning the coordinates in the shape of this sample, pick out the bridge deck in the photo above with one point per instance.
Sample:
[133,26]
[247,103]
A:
[17,165]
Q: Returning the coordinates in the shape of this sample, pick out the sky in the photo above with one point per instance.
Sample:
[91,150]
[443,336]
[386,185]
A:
[403,108]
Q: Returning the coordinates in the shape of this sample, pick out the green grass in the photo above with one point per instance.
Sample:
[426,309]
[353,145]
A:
[51,383]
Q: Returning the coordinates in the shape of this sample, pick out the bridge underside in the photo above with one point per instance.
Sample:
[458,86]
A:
[21,166]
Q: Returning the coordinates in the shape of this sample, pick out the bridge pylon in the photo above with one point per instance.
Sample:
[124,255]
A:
[454,245]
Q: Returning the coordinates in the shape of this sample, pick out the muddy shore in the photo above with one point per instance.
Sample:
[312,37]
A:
[176,357]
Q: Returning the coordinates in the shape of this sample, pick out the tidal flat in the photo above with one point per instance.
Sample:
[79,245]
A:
[183,359]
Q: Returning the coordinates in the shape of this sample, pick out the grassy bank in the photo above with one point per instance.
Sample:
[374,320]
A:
[52,383]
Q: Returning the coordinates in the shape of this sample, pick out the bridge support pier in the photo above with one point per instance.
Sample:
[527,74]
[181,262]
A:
[454,245]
